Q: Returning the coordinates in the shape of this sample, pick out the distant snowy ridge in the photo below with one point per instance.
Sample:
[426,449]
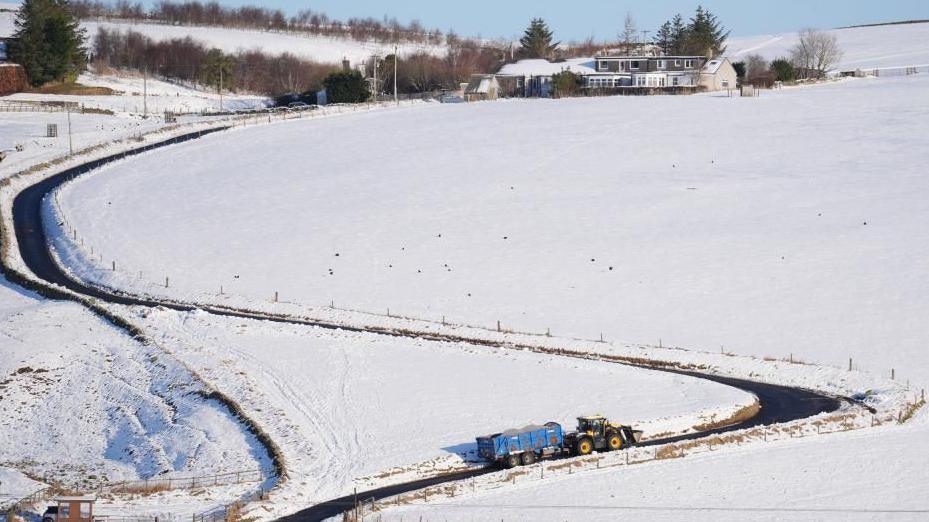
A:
[319,48]
[865,47]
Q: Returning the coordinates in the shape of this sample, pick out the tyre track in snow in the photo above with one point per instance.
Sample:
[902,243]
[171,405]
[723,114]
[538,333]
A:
[778,403]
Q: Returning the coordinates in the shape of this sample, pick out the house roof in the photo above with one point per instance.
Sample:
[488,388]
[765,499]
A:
[480,84]
[86,498]
[713,66]
[539,67]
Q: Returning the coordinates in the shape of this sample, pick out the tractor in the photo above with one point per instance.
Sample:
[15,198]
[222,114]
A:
[598,433]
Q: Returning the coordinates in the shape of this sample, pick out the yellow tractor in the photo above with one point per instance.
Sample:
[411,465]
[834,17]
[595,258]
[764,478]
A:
[598,433]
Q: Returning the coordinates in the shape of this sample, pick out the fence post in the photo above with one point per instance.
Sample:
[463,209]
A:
[166,281]
[893,374]
[498,325]
[849,364]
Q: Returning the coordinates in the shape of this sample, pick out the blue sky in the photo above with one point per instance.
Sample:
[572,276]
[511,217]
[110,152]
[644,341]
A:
[604,18]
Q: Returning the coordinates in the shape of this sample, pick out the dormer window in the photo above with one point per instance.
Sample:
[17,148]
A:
[634,64]
[688,64]
[662,64]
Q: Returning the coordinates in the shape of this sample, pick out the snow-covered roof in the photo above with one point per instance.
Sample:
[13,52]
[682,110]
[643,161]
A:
[713,65]
[540,67]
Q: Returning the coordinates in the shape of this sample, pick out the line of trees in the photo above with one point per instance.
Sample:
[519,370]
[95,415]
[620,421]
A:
[191,61]
[703,35]
[250,17]
[254,71]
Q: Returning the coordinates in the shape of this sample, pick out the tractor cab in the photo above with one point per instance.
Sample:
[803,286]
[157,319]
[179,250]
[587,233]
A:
[593,426]
[596,432]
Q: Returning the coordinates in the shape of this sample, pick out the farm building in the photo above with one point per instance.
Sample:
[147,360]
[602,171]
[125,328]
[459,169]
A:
[718,75]
[623,74]
[493,86]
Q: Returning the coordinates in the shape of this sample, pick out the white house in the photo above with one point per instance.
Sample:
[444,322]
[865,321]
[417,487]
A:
[718,75]
[641,73]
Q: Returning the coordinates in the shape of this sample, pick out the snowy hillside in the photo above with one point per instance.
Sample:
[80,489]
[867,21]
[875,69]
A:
[722,239]
[7,19]
[863,47]
[83,403]
[318,48]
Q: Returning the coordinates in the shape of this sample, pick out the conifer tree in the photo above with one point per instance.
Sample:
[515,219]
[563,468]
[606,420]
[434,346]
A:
[678,34]
[48,42]
[537,41]
[664,38]
[705,35]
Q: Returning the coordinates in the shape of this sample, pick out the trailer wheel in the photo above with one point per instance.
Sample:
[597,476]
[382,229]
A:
[614,441]
[512,460]
[585,446]
[528,458]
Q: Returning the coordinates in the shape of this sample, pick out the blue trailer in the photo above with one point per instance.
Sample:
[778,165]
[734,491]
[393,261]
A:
[521,446]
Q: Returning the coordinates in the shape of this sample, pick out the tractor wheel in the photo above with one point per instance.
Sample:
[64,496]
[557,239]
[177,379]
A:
[614,441]
[585,446]
[528,458]
[512,461]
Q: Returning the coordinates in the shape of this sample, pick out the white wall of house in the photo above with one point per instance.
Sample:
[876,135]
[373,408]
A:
[723,77]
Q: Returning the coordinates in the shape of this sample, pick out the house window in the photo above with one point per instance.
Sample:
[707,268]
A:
[85,509]
[603,65]
[677,63]
[674,81]
[662,82]
[64,512]
[634,64]
[688,64]
[725,84]
[661,64]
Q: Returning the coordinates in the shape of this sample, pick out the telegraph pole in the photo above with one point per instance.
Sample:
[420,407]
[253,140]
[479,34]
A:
[70,143]
[376,88]
[220,88]
[145,92]
[396,98]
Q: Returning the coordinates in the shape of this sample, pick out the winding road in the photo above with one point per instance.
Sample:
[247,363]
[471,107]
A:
[778,403]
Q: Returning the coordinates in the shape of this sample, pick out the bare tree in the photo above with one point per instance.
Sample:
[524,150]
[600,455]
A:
[755,65]
[815,54]
[630,34]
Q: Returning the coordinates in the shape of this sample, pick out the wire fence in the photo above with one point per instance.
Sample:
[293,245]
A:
[907,70]
[155,485]
[37,106]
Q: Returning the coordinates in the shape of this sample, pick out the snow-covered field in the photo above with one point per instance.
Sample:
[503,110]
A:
[129,99]
[735,234]
[318,48]
[346,406]
[28,131]
[863,47]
